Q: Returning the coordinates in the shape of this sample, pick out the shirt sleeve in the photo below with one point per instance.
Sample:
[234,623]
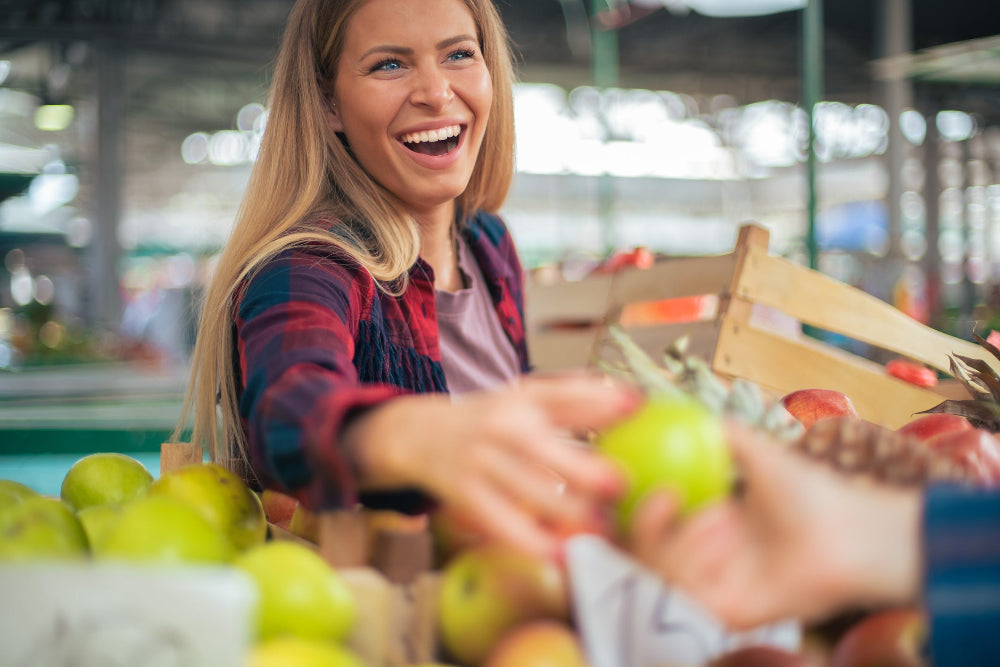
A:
[295,330]
[962,575]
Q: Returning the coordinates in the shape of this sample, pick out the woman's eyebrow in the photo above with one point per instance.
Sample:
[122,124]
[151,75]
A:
[405,50]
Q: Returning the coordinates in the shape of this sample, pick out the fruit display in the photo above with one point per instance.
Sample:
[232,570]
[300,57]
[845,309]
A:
[486,605]
[113,513]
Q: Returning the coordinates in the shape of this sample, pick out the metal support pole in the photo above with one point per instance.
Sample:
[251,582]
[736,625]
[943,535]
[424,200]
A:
[812,91]
[105,251]
[932,226]
[897,95]
[604,65]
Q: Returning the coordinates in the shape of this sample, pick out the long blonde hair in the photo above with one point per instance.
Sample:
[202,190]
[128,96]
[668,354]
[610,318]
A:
[304,181]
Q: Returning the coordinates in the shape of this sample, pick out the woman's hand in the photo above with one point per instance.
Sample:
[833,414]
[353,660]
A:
[503,460]
[802,542]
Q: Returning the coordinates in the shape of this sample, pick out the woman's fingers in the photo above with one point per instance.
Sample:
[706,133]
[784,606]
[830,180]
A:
[654,521]
[582,400]
[584,470]
[531,485]
[499,518]
[521,424]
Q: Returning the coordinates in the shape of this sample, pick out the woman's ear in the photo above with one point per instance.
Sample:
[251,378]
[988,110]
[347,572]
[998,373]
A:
[333,113]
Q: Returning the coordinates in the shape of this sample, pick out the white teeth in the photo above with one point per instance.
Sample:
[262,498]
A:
[432,135]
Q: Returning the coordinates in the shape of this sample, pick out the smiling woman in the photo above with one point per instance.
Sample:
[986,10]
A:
[406,76]
[368,277]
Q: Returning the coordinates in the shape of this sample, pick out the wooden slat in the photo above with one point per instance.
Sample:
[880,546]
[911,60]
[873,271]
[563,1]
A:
[343,538]
[782,365]
[397,624]
[561,349]
[174,455]
[671,278]
[575,301]
[823,302]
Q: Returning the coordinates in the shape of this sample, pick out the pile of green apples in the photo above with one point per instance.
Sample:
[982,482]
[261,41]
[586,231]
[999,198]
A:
[111,509]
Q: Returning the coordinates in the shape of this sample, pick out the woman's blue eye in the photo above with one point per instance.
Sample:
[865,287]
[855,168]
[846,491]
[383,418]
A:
[387,65]
[461,54]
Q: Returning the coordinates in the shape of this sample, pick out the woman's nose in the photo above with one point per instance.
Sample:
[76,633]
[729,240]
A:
[432,89]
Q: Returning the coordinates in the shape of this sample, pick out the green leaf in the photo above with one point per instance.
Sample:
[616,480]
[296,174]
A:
[647,372]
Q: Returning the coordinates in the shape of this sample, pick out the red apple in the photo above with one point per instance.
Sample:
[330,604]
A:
[542,643]
[889,638]
[976,450]
[912,372]
[811,405]
[452,533]
[929,425]
[278,506]
[639,257]
[763,656]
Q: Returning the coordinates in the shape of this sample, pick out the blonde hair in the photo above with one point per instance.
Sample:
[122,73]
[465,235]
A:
[306,187]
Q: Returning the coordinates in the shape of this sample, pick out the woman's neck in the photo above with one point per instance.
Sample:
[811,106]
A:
[438,248]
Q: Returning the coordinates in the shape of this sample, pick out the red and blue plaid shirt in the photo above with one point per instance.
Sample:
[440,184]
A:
[317,342]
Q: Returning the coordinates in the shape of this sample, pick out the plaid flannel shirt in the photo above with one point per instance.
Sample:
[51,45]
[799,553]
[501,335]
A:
[316,342]
[962,575]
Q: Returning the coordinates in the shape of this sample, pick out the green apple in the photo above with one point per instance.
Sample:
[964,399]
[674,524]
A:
[289,651]
[488,589]
[162,530]
[221,497]
[102,478]
[12,492]
[670,442]
[39,528]
[17,489]
[299,593]
[95,519]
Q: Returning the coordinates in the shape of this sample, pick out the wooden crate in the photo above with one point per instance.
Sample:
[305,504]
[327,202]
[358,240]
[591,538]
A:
[567,326]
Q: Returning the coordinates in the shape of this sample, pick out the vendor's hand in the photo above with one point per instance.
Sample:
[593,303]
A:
[502,459]
[802,542]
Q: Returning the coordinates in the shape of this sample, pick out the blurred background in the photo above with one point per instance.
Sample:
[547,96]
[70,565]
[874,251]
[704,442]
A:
[128,129]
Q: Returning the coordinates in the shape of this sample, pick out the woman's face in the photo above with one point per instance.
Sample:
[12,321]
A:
[412,95]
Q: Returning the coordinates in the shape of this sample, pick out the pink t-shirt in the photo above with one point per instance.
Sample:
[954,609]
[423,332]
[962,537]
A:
[475,352]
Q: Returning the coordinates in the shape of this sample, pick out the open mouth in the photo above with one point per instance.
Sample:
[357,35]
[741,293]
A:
[433,142]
